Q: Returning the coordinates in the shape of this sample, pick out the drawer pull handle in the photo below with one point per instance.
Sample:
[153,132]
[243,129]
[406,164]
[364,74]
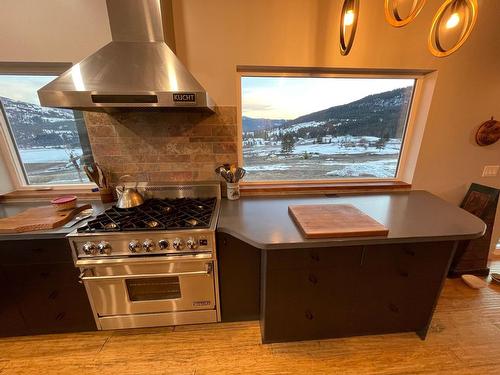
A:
[410,252]
[313,279]
[60,316]
[309,315]
[315,257]
[404,274]
[393,308]
[53,294]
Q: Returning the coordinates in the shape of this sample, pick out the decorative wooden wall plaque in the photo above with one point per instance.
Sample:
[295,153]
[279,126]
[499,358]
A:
[488,133]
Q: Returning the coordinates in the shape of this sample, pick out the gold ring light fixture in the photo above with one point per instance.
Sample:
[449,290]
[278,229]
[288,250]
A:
[348,25]
[393,12]
[451,26]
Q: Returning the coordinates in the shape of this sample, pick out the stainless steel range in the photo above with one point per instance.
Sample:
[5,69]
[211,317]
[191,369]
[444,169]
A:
[154,264]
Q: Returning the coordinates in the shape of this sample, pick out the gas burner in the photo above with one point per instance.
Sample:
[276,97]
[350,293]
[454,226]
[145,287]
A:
[152,223]
[192,222]
[155,214]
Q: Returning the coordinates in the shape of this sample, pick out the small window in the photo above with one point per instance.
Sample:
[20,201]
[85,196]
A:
[323,127]
[50,145]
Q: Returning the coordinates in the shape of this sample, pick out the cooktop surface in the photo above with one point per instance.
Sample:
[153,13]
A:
[155,214]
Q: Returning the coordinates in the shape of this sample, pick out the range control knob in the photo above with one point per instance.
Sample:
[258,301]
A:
[148,245]
[89,248]
[191,243]
[163,244]
[104,247]
[134,246]
[178,244]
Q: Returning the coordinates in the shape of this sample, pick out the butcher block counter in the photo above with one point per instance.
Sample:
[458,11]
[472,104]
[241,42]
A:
[304,289]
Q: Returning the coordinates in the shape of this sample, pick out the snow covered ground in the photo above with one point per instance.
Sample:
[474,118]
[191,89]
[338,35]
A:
[336,157]
[332,146]
[47,155]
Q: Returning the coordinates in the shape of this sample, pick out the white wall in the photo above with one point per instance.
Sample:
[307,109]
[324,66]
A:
[215,36]
[50,31]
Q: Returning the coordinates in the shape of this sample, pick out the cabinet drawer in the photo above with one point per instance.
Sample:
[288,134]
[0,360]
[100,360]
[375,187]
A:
[60,309]
[31,251]
[331,257]
[41,274]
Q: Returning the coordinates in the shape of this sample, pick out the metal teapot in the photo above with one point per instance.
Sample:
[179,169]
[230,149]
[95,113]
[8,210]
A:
[128,197]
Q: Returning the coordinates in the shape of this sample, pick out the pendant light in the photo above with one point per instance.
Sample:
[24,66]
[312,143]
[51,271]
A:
[455,19]
[393,16]
[348,25]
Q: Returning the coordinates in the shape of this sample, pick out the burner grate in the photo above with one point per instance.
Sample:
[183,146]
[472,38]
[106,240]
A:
[155,214]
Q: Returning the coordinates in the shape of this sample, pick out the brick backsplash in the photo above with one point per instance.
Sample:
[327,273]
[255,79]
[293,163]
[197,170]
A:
[163,146]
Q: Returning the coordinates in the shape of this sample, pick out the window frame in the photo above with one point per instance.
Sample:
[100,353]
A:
[8,147]
[400,181]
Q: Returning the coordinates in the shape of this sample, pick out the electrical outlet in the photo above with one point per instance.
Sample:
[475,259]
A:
[490,170]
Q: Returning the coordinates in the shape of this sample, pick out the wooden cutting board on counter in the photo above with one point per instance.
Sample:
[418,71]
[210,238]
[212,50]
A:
[39,218]
[335,220]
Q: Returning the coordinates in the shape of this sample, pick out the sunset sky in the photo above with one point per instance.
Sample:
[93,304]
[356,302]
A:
[291,97]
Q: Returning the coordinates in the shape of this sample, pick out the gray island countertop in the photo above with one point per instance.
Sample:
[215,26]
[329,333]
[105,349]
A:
[414,216]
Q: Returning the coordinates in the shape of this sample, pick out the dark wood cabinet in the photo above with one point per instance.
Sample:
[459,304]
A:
[239,279]
[315,293]
[353,290]
[40,290]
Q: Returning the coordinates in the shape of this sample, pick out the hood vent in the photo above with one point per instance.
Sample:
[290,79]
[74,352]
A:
[136,70]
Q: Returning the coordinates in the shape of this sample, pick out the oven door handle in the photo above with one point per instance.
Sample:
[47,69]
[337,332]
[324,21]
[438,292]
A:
[208,271]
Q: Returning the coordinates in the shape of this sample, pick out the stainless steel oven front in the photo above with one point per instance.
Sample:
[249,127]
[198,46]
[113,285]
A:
[128,295]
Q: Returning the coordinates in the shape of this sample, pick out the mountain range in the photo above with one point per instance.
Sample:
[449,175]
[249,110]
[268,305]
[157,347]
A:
[388,110]
[37,126]
[253,124]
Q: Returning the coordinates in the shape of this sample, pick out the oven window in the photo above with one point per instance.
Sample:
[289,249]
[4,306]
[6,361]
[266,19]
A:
[155,288]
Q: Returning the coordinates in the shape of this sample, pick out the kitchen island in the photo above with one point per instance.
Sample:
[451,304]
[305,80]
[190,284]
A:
[335,287]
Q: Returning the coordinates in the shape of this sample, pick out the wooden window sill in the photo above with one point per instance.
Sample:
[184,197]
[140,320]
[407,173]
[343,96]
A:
[254,188]
[47,195]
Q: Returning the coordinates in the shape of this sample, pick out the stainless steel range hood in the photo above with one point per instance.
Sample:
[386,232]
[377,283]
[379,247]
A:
[135,70]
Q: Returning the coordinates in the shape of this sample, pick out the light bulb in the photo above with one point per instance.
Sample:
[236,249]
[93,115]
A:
[453,21]
[348,18]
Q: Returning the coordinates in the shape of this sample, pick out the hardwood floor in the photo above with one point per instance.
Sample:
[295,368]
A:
[464,339]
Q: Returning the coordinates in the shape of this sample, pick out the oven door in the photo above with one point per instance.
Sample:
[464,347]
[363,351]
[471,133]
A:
[150,288]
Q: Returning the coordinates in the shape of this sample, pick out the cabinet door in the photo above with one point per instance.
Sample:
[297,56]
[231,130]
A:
[239,279]
[42,284]
[399,285]
[313,301]
[55,309]
[11,320]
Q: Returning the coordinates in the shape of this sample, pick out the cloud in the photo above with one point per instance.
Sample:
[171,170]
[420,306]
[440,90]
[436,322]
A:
[22,87]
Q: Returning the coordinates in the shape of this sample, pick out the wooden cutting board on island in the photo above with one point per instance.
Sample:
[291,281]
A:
[334,220]
[39,218]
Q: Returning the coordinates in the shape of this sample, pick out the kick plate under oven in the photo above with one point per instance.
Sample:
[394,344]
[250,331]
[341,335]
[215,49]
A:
[119,293]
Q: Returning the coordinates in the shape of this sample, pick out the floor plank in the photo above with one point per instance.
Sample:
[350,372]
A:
[462,340]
